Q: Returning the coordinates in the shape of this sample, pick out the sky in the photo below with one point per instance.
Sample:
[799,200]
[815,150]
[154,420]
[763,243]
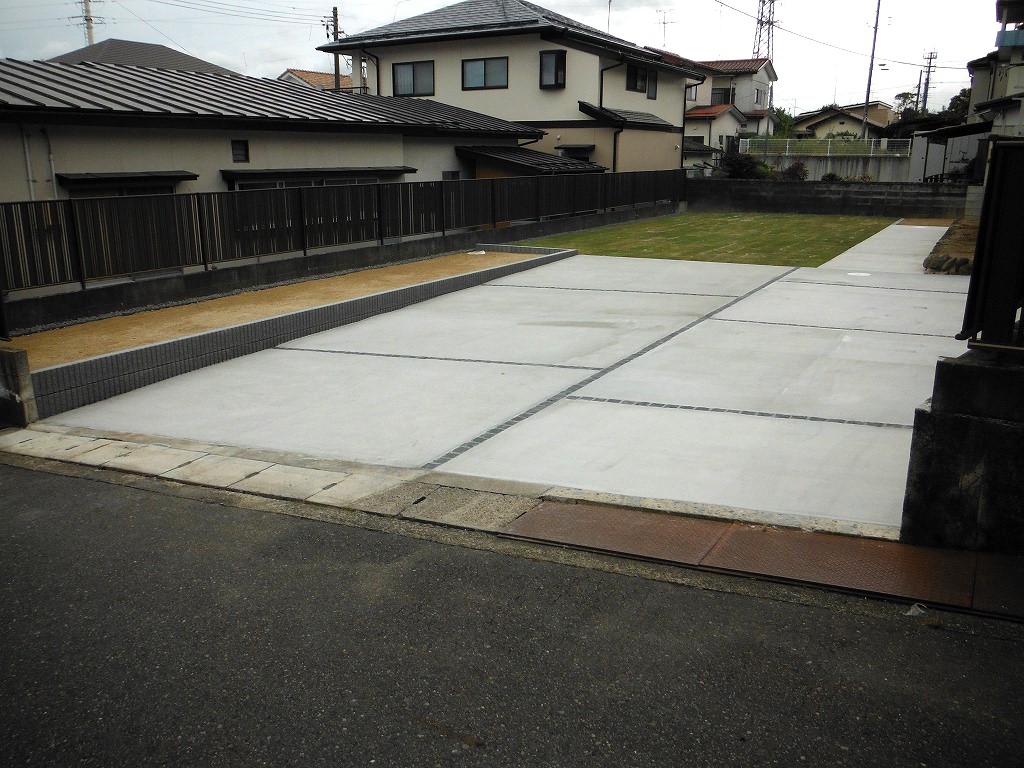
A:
[821,49]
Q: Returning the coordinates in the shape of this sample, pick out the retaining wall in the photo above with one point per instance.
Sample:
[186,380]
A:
[848,198]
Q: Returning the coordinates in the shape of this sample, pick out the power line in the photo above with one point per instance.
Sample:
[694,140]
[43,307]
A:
[776,25]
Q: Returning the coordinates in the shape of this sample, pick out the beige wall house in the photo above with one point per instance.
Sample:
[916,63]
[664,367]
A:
[597,97]
[745,84]
[85,130]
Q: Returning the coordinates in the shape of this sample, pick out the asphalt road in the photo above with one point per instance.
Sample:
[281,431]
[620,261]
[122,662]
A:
[140,627]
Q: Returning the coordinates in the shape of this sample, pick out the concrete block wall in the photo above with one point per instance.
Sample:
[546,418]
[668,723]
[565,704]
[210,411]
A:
[17,396]
[847,198]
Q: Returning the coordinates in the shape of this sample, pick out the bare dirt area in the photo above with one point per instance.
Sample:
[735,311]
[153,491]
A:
[954,253]
[115,334]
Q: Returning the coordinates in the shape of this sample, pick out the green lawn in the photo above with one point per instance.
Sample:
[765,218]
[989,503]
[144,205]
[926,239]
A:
[788,240]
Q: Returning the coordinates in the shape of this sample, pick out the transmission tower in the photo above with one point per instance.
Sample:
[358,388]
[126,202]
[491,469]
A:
[764,45]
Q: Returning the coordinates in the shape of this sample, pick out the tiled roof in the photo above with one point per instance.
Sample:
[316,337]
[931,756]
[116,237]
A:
[736,66]
[811,119]
[540,163]
[694,147]
[323,80]
[709,112]
[478,18]
[115,51]
[110,93]
[626,117]
[675,58]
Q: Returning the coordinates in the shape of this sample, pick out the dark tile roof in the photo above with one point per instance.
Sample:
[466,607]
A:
[115,51]
[531,161]
[479,18]
[694,147]
[626,117]
[111,93]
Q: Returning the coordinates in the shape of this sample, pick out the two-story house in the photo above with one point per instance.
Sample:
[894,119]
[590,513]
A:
[596,97]
[735,98]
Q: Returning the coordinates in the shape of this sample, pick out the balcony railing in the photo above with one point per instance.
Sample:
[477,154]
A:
[827,147]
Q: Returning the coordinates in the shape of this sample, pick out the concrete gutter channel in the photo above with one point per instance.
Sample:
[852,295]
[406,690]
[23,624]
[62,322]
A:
[976,583]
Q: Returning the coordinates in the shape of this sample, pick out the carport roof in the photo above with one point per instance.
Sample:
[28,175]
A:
[113,94]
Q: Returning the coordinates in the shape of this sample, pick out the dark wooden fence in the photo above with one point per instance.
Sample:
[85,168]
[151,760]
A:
[992,318]
[66,241]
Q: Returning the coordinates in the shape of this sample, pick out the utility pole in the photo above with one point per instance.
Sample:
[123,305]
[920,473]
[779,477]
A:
[87,21]
[917,100]
[331,25]
[609,16]
[337,57]
[871,71]
[929,65]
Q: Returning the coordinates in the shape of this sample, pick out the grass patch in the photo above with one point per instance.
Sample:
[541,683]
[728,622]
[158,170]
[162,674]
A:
[786,240]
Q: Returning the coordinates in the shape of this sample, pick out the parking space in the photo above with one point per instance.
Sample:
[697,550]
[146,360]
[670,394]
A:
[762,388]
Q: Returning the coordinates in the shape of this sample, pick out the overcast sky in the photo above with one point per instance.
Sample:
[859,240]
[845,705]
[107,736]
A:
[822,47]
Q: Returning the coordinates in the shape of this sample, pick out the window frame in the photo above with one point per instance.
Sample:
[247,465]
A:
[640,79]
[415,89]
[240,151]
[485,86]
[559,55]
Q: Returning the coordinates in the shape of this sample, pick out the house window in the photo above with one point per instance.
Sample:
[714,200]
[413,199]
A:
[240,150]
[552,69]
[691,93]
[721,96]
[642,80]
[413,78]
[450,175]
[758,96]
[480,74]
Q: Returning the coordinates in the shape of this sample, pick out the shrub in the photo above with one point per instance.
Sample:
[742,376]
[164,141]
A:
[832,177]
[744,166]
[796,172]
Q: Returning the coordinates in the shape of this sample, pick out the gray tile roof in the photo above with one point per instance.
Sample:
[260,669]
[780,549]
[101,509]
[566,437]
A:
[627,117]
[540,163]
[480,18]
[111,93]
[114,51]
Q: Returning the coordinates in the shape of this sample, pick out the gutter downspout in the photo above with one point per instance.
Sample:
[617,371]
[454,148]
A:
[28,165]
[376,66]
[53,168]
[682,137]
[615,148]
[600,82]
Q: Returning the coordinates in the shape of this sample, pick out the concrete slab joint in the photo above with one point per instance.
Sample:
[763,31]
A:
[17,396]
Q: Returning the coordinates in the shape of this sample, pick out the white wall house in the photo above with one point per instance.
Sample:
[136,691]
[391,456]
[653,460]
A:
[597,97]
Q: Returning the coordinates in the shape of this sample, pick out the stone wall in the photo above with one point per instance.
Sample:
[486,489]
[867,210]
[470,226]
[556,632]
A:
[851,198]
[965,485]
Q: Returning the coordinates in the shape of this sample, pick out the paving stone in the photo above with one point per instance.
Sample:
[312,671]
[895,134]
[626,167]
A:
[29,442]
[153,459]
[470,509]
[217,471]
[394,500]
[101,454]
[289,482]
[488,484]
[355,487]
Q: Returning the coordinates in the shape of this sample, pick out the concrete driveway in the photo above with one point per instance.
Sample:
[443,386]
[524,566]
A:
[787,392]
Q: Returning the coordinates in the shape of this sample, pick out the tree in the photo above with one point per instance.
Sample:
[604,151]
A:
[783,123]
[957,107]
[905,104]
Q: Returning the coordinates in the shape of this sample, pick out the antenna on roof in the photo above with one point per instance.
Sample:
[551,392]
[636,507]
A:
[664,22]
